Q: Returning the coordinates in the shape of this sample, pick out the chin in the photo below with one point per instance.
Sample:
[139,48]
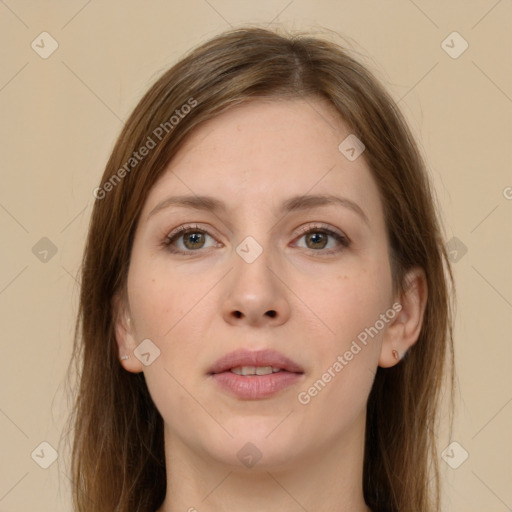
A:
[256,456]
[256,444]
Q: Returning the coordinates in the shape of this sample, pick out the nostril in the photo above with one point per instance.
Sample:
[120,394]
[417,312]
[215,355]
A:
[271,313]
[238,314]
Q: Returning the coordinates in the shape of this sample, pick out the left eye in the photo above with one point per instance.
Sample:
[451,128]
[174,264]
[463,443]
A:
[317,238]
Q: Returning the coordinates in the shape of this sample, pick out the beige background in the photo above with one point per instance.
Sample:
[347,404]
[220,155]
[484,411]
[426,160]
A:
[61,115]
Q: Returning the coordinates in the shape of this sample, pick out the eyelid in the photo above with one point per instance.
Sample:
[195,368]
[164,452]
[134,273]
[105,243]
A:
[321,226]
[188,227]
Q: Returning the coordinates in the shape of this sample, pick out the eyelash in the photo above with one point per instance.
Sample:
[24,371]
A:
[183,230]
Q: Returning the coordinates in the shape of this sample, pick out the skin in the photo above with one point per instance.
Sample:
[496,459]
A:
[254,157]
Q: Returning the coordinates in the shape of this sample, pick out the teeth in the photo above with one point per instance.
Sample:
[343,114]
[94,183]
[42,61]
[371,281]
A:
[263,370]
[254,370]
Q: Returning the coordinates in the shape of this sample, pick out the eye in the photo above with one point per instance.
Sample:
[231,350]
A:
[193,239]
[317,238]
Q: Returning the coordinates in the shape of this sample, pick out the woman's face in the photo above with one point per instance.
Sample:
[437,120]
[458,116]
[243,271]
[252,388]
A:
[260,281]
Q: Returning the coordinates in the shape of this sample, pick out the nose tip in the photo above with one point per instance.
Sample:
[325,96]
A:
[252,289]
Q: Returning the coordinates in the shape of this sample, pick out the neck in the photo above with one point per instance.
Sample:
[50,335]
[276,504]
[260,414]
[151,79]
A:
[327,479]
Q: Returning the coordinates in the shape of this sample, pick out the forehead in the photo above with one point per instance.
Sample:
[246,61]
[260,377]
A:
[268,150]
[291,132]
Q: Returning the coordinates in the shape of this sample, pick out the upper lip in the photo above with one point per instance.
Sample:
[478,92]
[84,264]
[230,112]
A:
[244,357]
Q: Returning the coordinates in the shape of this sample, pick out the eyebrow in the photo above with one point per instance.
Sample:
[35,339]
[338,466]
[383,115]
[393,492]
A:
[295,203]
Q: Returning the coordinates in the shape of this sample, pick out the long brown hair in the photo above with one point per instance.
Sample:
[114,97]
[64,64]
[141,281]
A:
[118,452]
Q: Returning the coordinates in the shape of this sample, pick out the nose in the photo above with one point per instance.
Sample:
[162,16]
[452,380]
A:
[256,293]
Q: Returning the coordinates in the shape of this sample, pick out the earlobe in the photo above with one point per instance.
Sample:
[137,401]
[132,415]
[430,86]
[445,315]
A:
[405,329]
[125,335]
[396,355]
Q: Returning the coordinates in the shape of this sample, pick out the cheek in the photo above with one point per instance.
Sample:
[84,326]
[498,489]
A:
[345,360]
[351,301]
[348,344]
[151,304]
[173,310]
[159,299]
[165,307]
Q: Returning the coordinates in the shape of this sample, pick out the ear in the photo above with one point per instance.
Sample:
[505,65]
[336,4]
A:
[125,334]
[405,329]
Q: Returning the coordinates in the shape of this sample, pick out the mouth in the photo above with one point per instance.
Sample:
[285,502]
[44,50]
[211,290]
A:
[255,370]
[255,375]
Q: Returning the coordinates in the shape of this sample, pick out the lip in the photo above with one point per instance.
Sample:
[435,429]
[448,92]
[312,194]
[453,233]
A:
[255,387]
[266,357]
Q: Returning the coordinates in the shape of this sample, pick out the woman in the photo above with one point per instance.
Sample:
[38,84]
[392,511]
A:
[265,315]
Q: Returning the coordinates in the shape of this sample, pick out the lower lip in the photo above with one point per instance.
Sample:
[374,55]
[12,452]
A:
[255,387]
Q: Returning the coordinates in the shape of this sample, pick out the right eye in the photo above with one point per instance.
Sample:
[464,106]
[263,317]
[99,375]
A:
[193,239]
